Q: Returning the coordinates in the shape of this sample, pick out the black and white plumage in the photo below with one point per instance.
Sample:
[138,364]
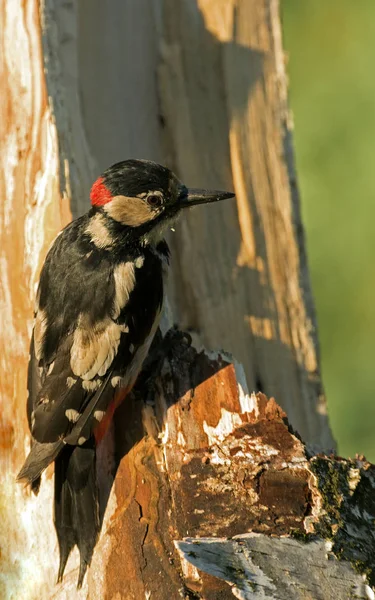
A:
[98,306]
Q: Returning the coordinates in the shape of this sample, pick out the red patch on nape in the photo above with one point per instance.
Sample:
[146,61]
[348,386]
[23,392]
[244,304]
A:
[100,194]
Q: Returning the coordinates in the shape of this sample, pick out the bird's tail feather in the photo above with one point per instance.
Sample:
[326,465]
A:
[41,455]
[76,504]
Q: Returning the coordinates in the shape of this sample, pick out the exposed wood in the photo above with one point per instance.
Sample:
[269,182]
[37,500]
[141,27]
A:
[206,94]
[32,210]
[206,459]
[203,460]
[256,566]
[258,247]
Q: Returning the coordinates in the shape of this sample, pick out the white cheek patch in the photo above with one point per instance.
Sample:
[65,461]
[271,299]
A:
[130,211]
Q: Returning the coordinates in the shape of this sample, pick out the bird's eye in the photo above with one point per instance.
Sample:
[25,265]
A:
[154,200]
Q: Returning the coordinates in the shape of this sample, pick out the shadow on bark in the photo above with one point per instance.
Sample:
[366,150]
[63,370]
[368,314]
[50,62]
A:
[187,369]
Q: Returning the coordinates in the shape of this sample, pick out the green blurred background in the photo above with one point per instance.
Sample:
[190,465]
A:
[331,64]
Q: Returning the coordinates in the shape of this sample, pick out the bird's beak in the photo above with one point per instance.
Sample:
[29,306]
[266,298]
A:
[196,196]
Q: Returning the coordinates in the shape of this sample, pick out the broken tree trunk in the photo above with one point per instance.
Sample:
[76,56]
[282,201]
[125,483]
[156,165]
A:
[211,494]
[210,463]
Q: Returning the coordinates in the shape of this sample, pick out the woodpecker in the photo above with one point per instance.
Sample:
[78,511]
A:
[98,307]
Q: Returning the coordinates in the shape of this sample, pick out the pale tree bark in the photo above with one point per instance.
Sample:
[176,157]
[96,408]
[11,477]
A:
[200,86]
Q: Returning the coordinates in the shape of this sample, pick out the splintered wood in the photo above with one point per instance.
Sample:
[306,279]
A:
[210,480]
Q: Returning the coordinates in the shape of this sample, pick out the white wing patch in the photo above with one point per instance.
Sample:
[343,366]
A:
[124,284]
[72,415]
[94,348]
[70,381]
[91,386]
[115,381]
[139,261]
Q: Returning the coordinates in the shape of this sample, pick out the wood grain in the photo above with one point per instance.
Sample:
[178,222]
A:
[207,96]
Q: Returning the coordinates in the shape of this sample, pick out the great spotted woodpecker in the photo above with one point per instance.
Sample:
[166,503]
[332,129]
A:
[98,307]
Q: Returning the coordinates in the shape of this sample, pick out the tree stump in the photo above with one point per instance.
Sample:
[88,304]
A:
[207,492]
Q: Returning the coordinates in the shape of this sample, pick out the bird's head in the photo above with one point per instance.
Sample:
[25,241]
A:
[143,195]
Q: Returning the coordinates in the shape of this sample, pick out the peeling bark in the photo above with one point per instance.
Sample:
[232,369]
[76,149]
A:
[210,463]
[255,566]
[211,494]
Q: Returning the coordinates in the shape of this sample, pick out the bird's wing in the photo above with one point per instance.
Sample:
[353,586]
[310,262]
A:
[76,362]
